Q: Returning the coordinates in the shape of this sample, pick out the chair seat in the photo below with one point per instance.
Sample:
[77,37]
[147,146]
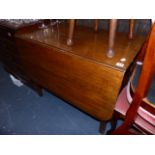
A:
[143,118]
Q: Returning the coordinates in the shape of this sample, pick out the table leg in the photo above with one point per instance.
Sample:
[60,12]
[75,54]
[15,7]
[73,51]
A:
[102,127]
[71,31]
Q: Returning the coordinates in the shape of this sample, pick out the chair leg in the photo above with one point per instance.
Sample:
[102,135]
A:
[96,25]
[71,31]
[131,28]
[112,33]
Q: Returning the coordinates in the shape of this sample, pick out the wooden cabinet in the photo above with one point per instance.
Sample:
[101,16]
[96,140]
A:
[8,51]
[9,55]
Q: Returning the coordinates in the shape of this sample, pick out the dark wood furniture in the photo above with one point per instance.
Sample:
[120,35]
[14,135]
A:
[81,74]
[133,103]
[9,55]
[112,33]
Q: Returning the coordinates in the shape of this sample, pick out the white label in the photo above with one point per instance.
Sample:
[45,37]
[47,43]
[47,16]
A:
[119,64]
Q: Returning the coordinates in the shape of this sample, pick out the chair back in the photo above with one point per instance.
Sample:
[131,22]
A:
[144,83]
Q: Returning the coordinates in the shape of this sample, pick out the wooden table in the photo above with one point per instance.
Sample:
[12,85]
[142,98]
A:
[82,74]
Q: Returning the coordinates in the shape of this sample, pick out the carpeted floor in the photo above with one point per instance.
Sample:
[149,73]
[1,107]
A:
[22,111]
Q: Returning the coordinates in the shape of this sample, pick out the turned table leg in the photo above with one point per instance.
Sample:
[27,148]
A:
[102,127]
[112,32]
[131,28]
[71,31]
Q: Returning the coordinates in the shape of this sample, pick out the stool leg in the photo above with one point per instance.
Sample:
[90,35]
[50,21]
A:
[71,31]
[131,28]
[112,32]
[96,25]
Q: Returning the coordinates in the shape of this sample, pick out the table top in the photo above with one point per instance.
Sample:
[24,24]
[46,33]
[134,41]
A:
[87,43]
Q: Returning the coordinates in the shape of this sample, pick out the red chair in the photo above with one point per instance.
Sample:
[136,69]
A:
[136,102]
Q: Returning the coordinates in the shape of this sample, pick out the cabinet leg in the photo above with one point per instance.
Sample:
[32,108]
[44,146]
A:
[37,88]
